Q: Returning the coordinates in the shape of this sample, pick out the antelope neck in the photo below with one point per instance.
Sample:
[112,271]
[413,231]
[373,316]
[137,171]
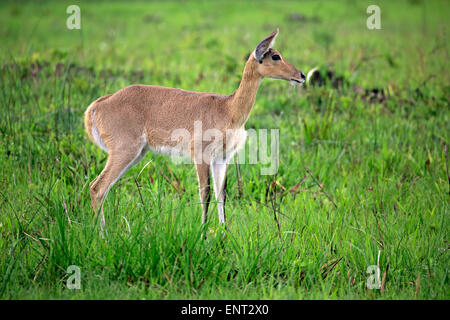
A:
[243,99]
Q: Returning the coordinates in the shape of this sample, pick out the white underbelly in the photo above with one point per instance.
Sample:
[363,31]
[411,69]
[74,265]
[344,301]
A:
[234,140]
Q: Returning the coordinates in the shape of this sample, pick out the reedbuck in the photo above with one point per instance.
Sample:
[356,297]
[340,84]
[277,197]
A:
[139,118]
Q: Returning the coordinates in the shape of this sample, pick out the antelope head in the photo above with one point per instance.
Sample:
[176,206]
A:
[272,65]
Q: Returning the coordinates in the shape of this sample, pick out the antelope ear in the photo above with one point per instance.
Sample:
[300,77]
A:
[265,45]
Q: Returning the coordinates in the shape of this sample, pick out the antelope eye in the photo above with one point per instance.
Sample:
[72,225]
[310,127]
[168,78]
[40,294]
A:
[276,57]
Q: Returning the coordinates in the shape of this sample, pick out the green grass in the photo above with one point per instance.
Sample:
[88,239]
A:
[382,163]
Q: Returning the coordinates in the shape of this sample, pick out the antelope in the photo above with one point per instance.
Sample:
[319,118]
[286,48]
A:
[139,118]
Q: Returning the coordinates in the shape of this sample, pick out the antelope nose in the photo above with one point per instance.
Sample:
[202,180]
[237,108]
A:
[302,75]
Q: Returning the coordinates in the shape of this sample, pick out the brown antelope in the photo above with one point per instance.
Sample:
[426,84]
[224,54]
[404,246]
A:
[136,119]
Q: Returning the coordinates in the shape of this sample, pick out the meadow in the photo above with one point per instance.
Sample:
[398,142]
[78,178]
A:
[363,176]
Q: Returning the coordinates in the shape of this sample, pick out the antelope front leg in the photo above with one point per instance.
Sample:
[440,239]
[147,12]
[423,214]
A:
[219,173]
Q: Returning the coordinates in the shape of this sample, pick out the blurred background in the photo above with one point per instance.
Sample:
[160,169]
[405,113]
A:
[180,39]
[363,174]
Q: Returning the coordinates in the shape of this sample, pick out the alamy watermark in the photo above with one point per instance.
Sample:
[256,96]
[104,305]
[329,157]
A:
[74,280]
[74,20]
[373,281]
[374,20]
[217,146]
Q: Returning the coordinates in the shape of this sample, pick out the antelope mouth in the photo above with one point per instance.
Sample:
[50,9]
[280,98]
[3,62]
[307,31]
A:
[296,82]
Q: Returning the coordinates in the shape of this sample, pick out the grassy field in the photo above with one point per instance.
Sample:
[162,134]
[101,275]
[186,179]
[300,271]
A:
[362,180]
